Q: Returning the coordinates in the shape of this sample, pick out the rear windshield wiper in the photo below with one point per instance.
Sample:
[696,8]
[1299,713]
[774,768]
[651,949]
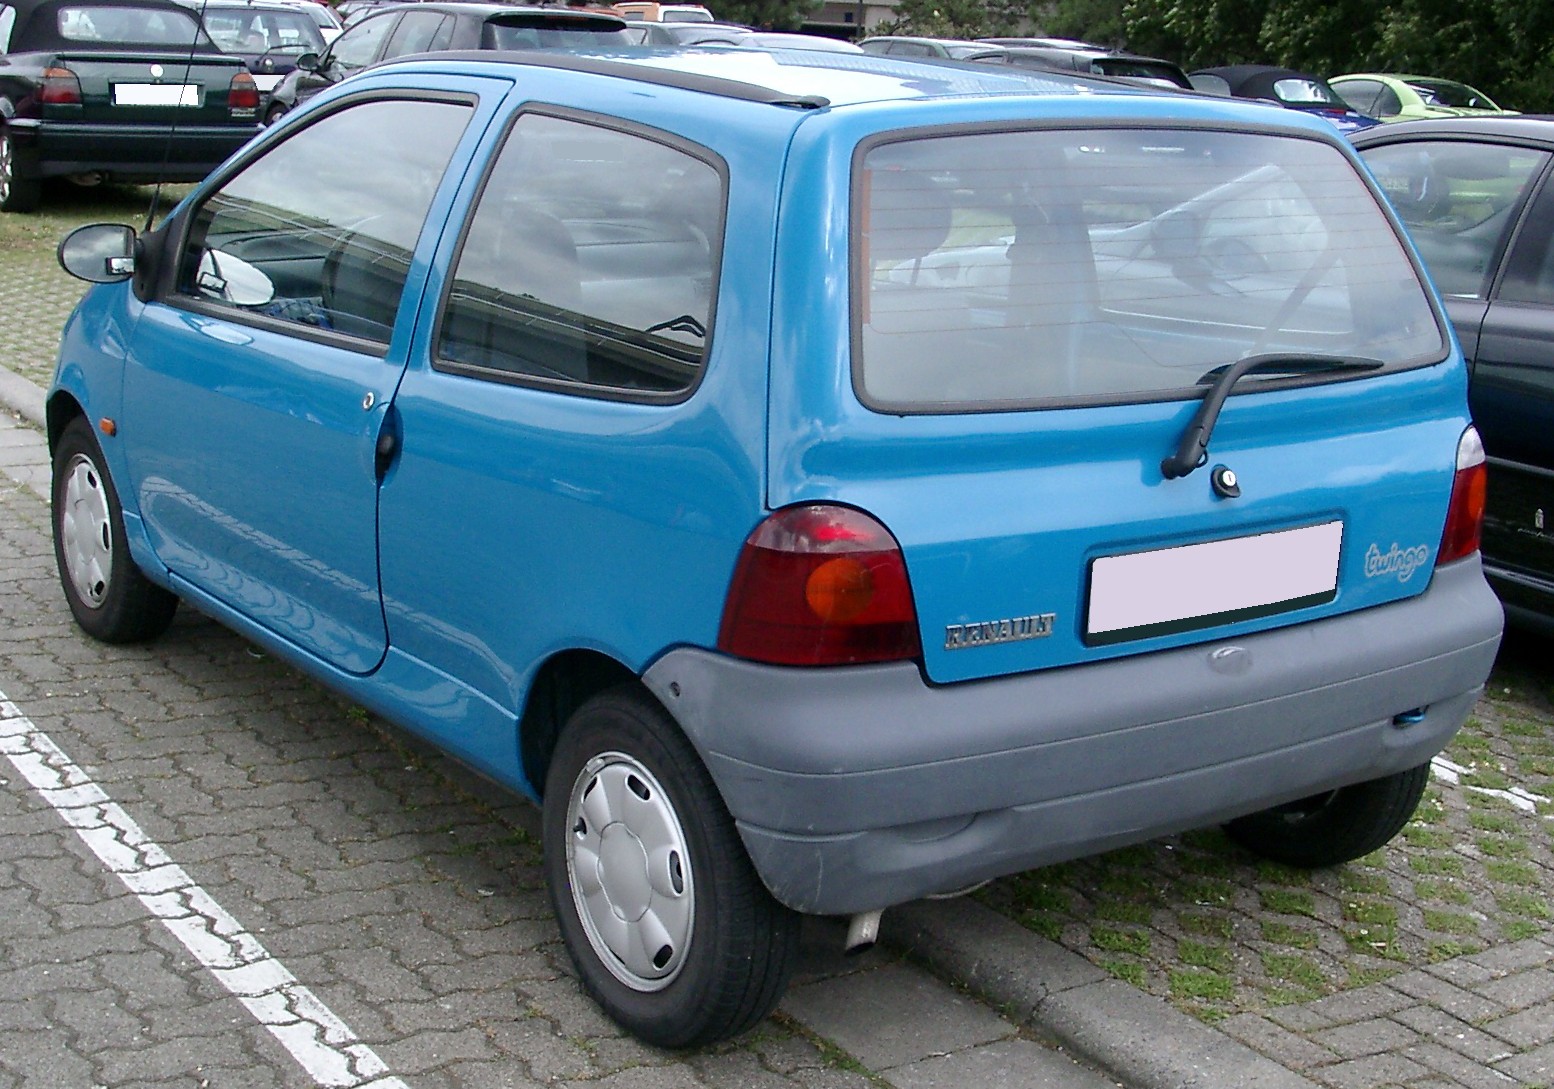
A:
[1193,450]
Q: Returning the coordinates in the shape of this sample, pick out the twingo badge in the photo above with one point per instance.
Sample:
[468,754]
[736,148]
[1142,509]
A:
[985,634]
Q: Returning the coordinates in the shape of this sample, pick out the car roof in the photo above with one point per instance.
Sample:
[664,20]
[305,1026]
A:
[473,7]
[1519,127]
[1261,76]
[817,80]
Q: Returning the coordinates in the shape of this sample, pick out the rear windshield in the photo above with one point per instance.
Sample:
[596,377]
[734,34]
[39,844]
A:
[1031,268]
[551,32]
[130,25]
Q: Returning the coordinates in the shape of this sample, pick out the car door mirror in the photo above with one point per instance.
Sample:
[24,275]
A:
[99,253]
[308,61]
[233,280]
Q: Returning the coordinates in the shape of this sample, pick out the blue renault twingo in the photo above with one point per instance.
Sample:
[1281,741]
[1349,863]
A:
[818,481]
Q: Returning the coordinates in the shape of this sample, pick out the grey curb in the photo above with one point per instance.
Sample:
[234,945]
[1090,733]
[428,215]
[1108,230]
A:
[1137,1037]
[20,395]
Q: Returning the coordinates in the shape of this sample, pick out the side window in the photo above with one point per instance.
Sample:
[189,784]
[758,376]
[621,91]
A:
[417,32]
[357,47]
[1529,274]
[1458,199]
[1387,104]
[304,236]
[591,259]
[1360,94]
[7,24]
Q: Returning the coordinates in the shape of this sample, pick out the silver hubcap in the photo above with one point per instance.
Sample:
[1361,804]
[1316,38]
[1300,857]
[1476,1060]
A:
[85,535]
[5,167]
[630,871]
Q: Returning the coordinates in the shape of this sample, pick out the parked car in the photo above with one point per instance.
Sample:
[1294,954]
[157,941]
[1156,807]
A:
[329,24]
[116,90]
[1475,195]
[1288,88]
[819,486]
[1050,43]
[1407,98]
[1149,71]
[268,36]
[901,45]
[664,13]
[768,39]
[672,35]
[399,30]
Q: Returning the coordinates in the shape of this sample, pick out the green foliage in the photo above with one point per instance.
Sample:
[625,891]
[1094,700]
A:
[770,14]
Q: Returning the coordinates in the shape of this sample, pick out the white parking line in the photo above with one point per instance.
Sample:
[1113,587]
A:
[1525,800]
[323,1044]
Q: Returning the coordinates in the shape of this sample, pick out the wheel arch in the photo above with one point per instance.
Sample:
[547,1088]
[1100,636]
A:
[562,684]
[59,411]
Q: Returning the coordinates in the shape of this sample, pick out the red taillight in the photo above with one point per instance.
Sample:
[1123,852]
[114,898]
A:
[59,87]
[1465,516]
[243,95]
[820,585]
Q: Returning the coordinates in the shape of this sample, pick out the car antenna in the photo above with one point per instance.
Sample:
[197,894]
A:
[167,151]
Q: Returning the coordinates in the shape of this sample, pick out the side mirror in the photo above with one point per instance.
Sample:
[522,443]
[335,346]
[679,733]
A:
[99,253]
[308,62]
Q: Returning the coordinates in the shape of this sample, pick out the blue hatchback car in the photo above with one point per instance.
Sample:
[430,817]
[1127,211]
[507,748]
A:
[818,481]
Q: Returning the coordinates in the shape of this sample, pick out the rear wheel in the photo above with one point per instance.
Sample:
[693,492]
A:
[18,191]
[274,114]
[110,597]
[1339,826]
[665,919]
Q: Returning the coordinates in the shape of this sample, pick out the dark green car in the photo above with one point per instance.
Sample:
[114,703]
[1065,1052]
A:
[114,90]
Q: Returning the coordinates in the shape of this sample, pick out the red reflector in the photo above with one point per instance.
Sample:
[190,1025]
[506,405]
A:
[820,585]
[59,87]
[1465,515]
[243,94]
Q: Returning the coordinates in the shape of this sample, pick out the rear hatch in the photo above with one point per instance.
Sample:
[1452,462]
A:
[1037,318]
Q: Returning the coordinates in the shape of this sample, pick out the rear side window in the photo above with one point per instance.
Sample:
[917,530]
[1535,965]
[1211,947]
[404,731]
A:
[1009,269]
[591,261]
[1459,200]
[141,26]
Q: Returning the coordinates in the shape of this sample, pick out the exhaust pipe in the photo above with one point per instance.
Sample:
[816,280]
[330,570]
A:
[863,930]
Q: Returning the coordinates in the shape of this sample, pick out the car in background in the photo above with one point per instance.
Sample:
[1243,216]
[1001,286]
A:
[269,36]
[1285,87]
[1148,71]
[114,90]
[661,35]
[427,27]
[818,484]
[664,13]
[329,24]
[1047,43]
[1476,196]
[771,39]
[901,45]
[1408,98]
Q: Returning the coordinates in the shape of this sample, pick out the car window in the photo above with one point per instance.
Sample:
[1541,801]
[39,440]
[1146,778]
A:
[1360,94]
[591,259]
[1459,199]
[7,24]
[358,46]
[141,26]
[1209,84]
[1387,104]
[304,236]
[239,30]
[527,31]
[995,270]
[1442,92]
[1529,274]
[420,32]
[1303,92]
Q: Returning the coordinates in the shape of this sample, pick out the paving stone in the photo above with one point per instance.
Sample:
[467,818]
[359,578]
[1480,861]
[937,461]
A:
[1457,1067]
[1521,989]
[1524,1030]
[1007,1064]
[910,1016]
[1535,1067]
[1441,1028]
[1457,1001]
[1361,1038]
[1371,1072]
[1291,1049]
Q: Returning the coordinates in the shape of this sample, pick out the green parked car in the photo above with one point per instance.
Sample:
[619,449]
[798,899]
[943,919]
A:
[1410,98]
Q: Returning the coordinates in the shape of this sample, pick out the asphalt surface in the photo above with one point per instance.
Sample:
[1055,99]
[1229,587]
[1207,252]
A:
[215,873]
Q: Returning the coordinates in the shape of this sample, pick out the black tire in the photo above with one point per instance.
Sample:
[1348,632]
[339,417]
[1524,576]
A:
[625,779]
[274,114]
[19,191]
[1339,826]
[110,597]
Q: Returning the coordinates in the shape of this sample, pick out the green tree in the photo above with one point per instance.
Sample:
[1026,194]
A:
[771,14]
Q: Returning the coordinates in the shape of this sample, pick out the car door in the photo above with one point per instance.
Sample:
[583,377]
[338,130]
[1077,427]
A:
[259,387]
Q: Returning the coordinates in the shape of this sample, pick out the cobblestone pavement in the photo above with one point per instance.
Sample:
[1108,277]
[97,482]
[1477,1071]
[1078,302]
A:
[214,873]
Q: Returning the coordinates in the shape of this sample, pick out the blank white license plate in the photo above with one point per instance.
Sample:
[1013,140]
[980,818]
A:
[156,94]
[1172,590]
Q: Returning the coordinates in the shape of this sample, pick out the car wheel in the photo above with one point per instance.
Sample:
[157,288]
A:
[110,597]
[662,913]
[274,114]
[18,193]
[1339,826]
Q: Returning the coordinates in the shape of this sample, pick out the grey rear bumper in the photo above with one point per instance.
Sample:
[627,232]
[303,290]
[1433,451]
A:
[862,787]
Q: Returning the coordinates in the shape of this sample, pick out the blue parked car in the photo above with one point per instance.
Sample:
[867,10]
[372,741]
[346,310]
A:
[817,482]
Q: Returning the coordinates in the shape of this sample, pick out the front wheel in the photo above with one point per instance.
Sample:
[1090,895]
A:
[274,114]
[1338,826]
[662,913]
[109,596]
[18,191]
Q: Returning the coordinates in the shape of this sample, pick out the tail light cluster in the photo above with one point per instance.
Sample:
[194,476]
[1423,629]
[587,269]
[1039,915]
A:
[59,87]
[1465,514]
[820,585]
[243,96]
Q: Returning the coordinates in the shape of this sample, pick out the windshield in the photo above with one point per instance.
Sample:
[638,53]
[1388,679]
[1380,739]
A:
[529,32]
[1305,92]
[130,25]
[1442,92]
[1026,268]
[253,30]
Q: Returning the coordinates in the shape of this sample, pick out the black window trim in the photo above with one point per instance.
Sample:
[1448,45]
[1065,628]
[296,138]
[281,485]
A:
[558,385]
[167,291]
